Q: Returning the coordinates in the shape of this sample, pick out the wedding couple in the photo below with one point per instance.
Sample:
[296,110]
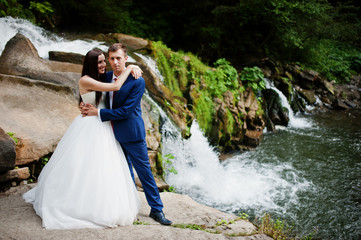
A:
[89,180]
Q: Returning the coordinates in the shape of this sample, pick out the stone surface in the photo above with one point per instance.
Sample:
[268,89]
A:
[20,58]
[308,95]
[7,152]
[66,57]
[176,107]
[132,43]
[15,174]
[19,221]
[253,138]
[37,112]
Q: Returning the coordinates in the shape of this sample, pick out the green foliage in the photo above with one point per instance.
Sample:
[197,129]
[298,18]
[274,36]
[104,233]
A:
[221,79]
[43,161]
[169,64]
[254,78]
[14,9]
[169,164]
[189,226]
[170,189]
[164,162]
[137,222]
[334,60]
[12,135]
[43,8]
[244,216]
[278,230]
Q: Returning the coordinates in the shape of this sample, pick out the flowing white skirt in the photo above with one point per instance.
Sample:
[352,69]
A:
[86,183]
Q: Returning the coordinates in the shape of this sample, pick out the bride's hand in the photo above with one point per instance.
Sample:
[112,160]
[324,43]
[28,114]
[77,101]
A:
[136,71]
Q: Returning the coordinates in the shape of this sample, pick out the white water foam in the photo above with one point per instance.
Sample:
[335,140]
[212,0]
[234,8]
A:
[240,182]
[295,122]
[152,64]
[43,41]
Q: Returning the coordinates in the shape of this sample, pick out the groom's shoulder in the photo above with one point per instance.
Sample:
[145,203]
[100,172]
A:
[107,74]
[140,82]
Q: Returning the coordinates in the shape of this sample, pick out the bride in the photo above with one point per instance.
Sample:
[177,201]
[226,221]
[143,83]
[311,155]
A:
[87,183]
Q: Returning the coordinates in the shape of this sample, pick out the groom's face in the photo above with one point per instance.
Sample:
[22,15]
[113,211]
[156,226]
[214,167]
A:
[117,61]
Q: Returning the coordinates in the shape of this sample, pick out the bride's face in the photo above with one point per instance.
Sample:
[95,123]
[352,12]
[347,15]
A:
[101,64]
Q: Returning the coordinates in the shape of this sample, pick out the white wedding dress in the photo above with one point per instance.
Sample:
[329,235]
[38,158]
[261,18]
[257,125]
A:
[86,183]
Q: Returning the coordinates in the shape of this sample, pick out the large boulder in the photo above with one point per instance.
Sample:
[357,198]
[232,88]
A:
[20,58]
[132,43]
[7,152]
[66,57]
[37,112]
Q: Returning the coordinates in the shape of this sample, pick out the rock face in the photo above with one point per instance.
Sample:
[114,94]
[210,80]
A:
[20,58]
[19,221]
[132,43]
[37,112]
[66,57]
[175,106]
[7,152]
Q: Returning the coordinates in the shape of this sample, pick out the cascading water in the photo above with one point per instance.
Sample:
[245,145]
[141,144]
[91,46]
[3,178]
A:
[295,122]
[43,40]
[151,63]
[307,174]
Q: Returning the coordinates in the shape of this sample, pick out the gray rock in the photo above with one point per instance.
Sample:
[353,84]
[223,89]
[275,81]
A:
[7,152]
[15,174]
[37,112]
[19,221]
[66,57]
[20,58]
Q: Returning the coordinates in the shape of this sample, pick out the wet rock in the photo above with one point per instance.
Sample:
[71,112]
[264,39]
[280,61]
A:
[307,78]
[253,138]
[351,103]
[7,152]
[339,104]
[150,117]
[274,111]
[308,95]
[66,57]
[175,106]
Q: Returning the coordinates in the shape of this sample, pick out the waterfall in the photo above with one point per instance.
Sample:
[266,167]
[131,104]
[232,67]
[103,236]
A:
[152,64]
[295,122]
[43,41]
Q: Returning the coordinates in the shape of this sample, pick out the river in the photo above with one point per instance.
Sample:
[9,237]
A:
[307,176]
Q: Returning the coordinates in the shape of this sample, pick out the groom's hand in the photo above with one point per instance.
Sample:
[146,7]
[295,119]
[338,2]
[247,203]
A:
[89,110]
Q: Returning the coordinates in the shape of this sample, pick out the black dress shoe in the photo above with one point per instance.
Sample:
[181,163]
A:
[159,217]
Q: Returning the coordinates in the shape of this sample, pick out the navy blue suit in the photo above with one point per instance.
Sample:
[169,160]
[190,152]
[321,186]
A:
[129,130]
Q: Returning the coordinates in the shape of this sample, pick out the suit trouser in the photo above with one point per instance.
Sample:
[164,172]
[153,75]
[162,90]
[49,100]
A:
[137,156]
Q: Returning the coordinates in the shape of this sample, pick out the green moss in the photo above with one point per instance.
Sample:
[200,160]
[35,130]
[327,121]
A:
[203,108]
[230,122]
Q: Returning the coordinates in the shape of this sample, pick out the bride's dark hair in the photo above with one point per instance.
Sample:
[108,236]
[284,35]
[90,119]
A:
[90,68]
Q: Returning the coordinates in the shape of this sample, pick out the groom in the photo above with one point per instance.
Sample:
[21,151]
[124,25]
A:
[123,109]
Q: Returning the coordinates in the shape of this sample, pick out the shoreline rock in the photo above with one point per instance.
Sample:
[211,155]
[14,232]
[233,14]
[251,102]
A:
[19,221]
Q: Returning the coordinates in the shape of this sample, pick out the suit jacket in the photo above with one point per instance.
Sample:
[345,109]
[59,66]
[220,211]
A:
[126,113]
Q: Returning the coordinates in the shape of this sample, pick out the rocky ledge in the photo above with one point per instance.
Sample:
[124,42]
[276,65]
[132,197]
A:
[19,221]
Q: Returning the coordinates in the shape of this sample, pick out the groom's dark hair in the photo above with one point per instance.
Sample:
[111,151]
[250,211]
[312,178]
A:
[116,46]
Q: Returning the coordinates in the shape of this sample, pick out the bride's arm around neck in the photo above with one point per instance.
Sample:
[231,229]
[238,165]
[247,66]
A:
[88,84]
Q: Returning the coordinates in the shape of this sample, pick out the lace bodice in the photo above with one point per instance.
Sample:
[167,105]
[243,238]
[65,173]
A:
[90,98]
